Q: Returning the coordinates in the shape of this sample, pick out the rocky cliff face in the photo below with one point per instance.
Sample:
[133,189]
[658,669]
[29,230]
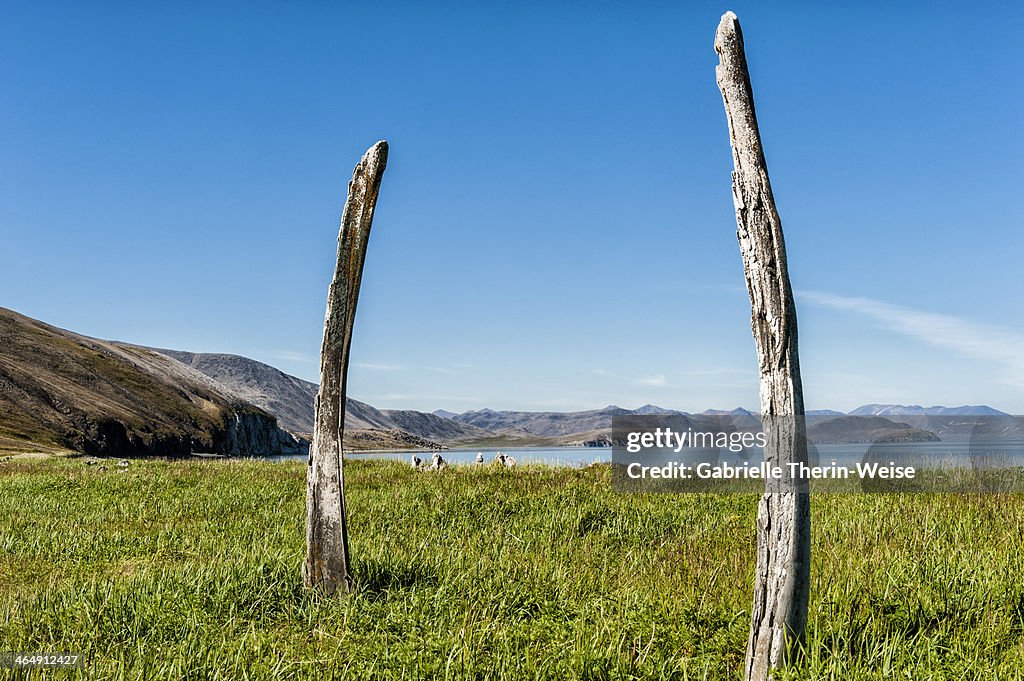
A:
[248,431]
[242,433]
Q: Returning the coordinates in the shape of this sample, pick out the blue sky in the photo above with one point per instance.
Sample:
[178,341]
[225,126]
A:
[555,229]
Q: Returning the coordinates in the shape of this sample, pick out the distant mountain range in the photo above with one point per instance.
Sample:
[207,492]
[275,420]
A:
[869,423]
[62,390]
[917,410]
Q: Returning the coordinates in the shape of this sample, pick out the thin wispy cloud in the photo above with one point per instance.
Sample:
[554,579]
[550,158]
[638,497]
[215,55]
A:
[422,398]
[656,380]
[553,404]
[290,356]
[719,372]
[964,337]
[378,367]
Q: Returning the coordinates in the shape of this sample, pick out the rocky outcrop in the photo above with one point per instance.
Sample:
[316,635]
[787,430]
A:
[602,440]
[387,438]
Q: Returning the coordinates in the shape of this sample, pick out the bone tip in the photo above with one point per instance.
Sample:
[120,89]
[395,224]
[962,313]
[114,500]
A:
[729,22]
[378,151]
[729,25]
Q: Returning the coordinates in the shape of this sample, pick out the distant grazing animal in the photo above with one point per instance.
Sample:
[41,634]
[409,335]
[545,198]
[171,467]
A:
[479,457]
[439,462]
[499,459]
[91,462]
[510,461]
[103,469]
[416,461]
[123,463]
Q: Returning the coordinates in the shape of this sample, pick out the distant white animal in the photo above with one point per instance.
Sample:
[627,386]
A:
[510,461]
[439,462]
[416,461]
[123,463]
[499,459]
[479,457]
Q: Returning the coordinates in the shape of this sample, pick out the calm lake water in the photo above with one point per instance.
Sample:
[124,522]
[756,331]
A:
[934,454]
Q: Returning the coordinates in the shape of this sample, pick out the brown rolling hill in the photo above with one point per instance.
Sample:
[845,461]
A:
[63,391]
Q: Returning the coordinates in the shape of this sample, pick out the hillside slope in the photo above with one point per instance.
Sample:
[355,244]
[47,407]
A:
[542,423]
[867,429]
[60,390]
[288,398]
[433,426]
[291,399]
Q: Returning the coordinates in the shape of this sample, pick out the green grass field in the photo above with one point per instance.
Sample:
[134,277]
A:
[191,570]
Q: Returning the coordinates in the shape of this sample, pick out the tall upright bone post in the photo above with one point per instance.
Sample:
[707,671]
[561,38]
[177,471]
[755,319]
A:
[327,563]
[782,577]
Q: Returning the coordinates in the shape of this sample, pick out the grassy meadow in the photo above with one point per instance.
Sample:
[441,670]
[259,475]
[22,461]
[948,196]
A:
[191,569]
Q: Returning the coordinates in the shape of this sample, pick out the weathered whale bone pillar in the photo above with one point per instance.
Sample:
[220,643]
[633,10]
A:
[326,567]
[782,578]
